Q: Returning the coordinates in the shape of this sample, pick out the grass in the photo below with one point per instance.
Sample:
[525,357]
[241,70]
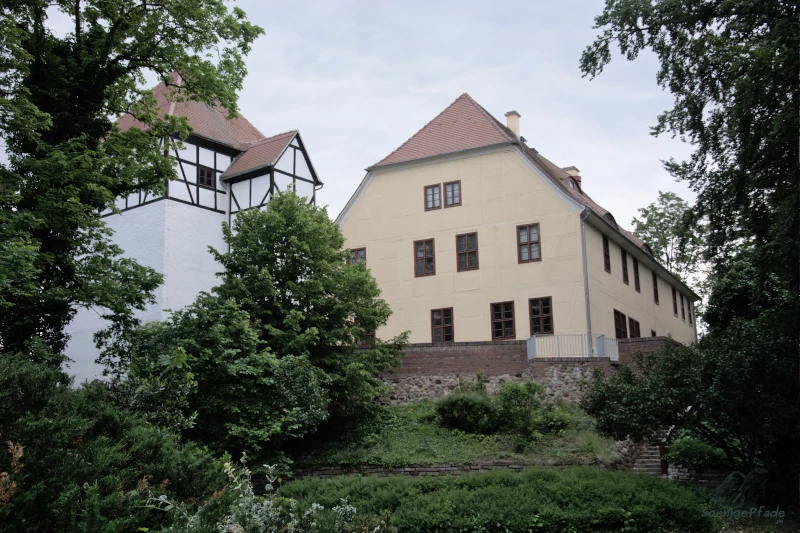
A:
[410,434]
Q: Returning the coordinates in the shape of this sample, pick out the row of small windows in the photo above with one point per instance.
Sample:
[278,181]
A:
[637,284]
[433,195]
[502,320]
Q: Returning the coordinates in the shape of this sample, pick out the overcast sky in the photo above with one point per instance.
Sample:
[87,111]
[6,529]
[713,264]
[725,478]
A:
[358,78]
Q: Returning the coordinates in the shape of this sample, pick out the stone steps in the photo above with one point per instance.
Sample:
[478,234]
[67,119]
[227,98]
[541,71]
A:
[648,461]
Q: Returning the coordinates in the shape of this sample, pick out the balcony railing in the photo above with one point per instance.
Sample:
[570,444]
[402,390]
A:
[573,345]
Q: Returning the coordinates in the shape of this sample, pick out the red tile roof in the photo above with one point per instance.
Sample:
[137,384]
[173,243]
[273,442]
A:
[261,153]
[207,121]
[464,125]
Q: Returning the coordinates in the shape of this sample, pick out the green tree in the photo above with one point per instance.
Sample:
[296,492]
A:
[68,161]
[288,269]
[733,68]
[239,395]
[671,230]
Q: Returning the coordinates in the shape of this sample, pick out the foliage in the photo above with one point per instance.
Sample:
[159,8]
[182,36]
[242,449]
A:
[76,463]
[519,404]
[677,238]
[67,161]
[738,393]
[287,268]
[244,397]
[733,69]
[695,454]
[402,435]
[238,509]
[468,411]
[548,500]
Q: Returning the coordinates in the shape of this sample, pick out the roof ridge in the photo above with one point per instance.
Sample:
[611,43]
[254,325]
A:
[431,121]
[270,138]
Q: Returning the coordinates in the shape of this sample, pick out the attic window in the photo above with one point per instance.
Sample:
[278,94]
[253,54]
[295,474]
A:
[610,219]
[571,184]
[205,176]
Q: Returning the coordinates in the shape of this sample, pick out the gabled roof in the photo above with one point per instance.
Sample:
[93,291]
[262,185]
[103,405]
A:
[463,125]
[259,154]
[466,125]
[211,122]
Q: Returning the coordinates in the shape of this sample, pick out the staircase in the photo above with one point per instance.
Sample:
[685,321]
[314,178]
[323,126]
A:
[648,461]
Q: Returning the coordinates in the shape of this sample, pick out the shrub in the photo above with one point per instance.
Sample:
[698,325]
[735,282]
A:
[546,500]
[551,419]
[695,454]
[519,405]
[468,411]
[79,464]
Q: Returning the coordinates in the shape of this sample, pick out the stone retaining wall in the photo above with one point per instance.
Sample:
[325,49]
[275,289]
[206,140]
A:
[710,479]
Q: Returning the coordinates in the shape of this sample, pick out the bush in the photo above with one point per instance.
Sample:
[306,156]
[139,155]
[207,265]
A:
[78,463]
[468,411]
[519,405]
[546,500]
[696,454]
[551,419]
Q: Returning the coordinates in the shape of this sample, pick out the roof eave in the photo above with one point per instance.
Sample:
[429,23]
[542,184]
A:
[390,166]
[640,254]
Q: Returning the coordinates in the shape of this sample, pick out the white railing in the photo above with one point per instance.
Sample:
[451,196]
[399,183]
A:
[572,345]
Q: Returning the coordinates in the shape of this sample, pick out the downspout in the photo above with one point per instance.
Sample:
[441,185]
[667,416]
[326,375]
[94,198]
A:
[590,344]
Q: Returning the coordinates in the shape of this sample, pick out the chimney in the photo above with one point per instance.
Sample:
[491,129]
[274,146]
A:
[512,121]
[575,173]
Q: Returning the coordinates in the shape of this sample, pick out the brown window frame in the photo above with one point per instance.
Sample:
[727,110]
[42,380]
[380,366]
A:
[424,257]
[502,320]
[438,187]
[529,243]
[211,174]
[354,260]
[689,310]
[466,252]
[541,316]
[620,325]
[624,257]
[444,190]
[452,325]
[634,328]
[369,338]
[636,284]
[655,288]
[683,310]
[606,255]
[674,302]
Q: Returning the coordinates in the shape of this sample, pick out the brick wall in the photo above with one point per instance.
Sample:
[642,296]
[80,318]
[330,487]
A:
[628,347]
[464,359]
[433,370]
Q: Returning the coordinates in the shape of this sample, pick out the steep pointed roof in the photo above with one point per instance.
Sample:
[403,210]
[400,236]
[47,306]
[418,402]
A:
[463,125]
[207,121]
[261,154]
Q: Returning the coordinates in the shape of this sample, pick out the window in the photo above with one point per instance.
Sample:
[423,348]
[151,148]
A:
[620,325]
[624,267]
[606,255]
[683,310]
[424,261]
[636,275]
[655,288]
[452,193]
[653,333]
[528,243]
[503,321]
[433,198]
[541,316]
[467,251]
[369,337]
[674,302]
[442,325]
[205,176]
[689,310]
[633,328]
[357,255]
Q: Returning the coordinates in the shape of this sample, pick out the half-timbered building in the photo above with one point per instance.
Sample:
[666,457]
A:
[225,166]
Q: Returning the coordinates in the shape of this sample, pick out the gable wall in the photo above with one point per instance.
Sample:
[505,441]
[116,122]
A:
[499,191]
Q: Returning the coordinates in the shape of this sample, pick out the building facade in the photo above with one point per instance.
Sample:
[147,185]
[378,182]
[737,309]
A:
[474,236]
[225,166]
